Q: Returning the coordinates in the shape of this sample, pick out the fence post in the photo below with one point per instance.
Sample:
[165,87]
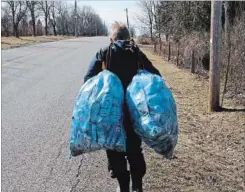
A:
[160,45]
[169,51]
[193,62]
[177,56]
[155,46]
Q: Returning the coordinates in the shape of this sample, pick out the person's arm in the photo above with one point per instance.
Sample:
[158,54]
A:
[147,63]
[95,66]
[149,67]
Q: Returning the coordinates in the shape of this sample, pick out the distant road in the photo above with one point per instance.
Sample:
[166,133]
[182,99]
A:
[39,85]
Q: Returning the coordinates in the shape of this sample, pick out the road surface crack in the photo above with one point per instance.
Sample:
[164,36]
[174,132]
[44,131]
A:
[73,187]
[53,164]
[79,168]
[60,150]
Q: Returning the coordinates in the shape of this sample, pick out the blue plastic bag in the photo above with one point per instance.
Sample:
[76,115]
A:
[153,111]
[97,121]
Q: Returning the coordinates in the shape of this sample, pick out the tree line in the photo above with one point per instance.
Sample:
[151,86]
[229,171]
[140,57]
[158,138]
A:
[179,18]
[26,18]
[182,30]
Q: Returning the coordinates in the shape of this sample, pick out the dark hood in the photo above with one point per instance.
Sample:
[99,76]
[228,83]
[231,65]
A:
[125,44]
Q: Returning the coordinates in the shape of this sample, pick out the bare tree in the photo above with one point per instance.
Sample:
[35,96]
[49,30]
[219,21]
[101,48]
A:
[32,6]
[187,25]
[45,7]
[165,17]
[5,21]
[39,27]
[157,18]
[52,17]
[147,17]
[24,27]
[75,15]
[62,20]
[18,11]
[58,16]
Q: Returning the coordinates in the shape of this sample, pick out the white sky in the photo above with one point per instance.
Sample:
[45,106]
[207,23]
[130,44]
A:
[111,11]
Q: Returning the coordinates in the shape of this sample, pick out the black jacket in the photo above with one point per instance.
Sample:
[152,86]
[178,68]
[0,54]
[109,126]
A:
[123,59]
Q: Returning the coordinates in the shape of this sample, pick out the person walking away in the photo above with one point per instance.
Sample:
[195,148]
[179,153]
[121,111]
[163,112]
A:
[123,57]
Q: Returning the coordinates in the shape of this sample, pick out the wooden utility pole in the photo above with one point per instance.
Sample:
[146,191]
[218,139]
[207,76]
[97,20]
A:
[215,35]
[127,16]
[75,18]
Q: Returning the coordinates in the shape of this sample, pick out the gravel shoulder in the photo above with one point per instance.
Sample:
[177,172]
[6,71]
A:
[13,42]
[210,151]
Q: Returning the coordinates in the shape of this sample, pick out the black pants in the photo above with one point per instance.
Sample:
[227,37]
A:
[117,161]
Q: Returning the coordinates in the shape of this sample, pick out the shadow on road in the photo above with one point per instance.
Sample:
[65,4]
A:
[231,110]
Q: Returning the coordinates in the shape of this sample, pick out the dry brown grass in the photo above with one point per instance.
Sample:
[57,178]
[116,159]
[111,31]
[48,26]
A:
[210,151]
[12,42]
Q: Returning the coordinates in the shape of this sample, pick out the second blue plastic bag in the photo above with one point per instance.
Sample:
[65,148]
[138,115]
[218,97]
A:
[153,112]
[97,121]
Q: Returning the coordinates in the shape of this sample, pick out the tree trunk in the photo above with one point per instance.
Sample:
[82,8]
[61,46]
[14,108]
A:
[33,26]
[46,18]
[151,33]
[33,19]
[16,31]
[13,20]
[54,28]
[46,24]
[63,28]
[67,30]
[75,26]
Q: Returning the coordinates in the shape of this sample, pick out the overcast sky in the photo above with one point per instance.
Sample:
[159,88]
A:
[111,11]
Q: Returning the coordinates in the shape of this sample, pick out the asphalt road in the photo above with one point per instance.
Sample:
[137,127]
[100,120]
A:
[39,86]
